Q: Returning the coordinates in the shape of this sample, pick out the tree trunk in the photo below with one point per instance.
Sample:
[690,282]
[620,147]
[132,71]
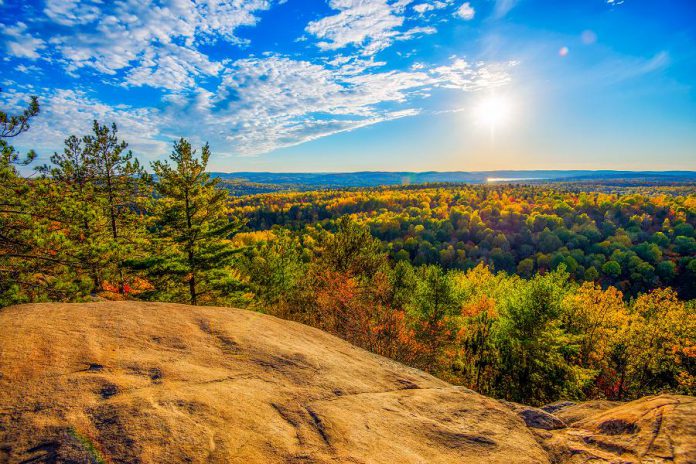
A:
[192,289]
[114,228]
[191,257]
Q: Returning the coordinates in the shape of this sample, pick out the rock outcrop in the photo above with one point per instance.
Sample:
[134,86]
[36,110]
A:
[129,382]
[656,429]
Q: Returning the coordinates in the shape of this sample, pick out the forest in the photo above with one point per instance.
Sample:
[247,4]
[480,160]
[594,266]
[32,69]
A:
[635,241]
[528,293]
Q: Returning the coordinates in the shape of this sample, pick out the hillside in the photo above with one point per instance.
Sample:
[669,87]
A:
[135,382]
[304,180]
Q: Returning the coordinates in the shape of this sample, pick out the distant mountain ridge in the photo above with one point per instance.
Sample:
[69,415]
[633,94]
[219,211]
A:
[376,178]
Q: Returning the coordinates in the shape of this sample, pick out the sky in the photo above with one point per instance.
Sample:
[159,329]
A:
[352,85]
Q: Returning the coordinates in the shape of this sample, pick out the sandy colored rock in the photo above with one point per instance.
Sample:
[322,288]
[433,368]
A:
[656,429]
[128,382]
[576,412]
[536,418]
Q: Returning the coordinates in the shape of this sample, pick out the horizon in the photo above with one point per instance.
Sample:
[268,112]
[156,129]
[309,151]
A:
[351,86]
[638,171]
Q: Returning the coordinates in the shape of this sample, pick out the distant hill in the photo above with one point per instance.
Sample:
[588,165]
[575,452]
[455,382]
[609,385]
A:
[375,178]
[132,382]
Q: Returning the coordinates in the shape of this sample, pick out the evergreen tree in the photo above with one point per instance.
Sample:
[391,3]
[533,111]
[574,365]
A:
[73,176]
[193,230]
[15,219]
[121,189]
[12,126]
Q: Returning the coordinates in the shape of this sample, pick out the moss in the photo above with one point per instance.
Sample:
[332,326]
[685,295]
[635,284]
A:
[88,445]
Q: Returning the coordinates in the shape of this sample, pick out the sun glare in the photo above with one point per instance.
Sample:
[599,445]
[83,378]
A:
[493,112]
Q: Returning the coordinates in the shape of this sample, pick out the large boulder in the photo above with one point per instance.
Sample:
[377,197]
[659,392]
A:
[129,382]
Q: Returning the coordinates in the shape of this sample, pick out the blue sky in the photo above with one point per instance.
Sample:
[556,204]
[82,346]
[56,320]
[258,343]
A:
[346,85]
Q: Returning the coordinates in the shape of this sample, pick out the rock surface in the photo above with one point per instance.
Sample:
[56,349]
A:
[536,418]
[128,382]
[136,382]
[655,429]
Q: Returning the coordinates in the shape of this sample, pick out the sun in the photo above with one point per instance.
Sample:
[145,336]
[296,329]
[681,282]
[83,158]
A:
[493,111]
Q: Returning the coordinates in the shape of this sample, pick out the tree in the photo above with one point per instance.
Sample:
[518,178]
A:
[11,126]
[16,220]
[74,188]
[121,188]
[276,273]
[658,346]
[193,231]
[595,317]
[352,249]
[433,309]
[525,268]
[478,355]
[611,269]
[535,351]
[667,270]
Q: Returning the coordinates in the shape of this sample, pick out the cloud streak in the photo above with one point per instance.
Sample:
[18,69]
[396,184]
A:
[264,104]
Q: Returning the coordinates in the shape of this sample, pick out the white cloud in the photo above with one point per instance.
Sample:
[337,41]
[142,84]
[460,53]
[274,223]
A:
[65,112]
[172,67]
[371,25]
[273,102]
[21,44]
[249,106]
[156,44]
[466,11]
[423,8]
[262,104]
[503,7]
[28,69]
[416,31]
[72,12]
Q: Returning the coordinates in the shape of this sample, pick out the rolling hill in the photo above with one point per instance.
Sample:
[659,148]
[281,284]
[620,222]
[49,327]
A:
[309,180]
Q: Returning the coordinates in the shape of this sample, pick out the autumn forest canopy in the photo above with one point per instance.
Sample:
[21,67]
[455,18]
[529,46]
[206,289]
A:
[531,293]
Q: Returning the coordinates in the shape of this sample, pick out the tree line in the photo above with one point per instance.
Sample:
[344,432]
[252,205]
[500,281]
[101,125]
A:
[532,340]
[95,221]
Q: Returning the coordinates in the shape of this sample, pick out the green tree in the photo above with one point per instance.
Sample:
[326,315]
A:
[73,183]
[685,245]
[611,269]
[352,249]
[16,221]
[535,351]
[276,272]
[433,308]
[193,252]
[667,271]
[11,126]
[121,188]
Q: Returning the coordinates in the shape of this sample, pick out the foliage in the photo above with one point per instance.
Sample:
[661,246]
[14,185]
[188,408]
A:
[191,232]
[635,241]
[526,293]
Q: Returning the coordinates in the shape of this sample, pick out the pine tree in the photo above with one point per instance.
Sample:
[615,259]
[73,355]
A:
[12,126]
[121,185]
[73,181]
[15,219]
[193,250]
